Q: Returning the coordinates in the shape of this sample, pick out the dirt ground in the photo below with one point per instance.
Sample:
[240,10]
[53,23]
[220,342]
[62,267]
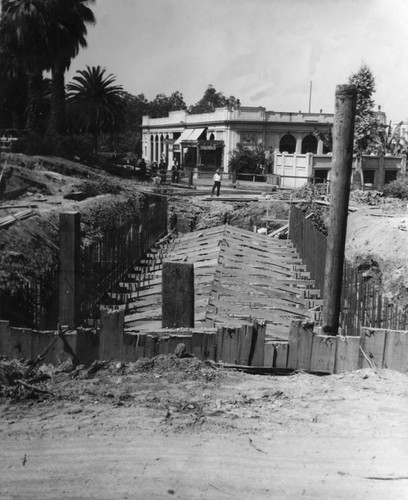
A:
[179,428]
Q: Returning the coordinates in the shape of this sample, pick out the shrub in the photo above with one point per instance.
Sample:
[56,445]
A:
[248,160]
[397,188]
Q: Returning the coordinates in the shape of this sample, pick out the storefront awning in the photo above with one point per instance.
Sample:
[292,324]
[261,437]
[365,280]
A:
[195,134]
[190,134]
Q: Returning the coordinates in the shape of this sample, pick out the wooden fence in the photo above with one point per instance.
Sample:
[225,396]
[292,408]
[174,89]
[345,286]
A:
[34,304]
[363,303]
[105,263]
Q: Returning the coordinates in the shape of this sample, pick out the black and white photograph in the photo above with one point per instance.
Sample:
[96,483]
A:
[203,249]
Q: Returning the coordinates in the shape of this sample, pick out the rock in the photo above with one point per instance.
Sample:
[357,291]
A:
[180,350]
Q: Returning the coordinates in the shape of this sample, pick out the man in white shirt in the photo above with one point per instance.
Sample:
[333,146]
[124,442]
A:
[217,182]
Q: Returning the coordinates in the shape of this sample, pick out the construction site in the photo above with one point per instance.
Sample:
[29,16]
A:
[159,342]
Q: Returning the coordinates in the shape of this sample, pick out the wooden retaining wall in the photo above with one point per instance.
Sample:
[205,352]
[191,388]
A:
[375,348]
[242,346]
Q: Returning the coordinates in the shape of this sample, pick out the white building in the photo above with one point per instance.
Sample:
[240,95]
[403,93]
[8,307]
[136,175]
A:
[206,140]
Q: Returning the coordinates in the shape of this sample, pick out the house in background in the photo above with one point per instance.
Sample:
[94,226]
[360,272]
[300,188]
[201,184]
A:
[205,141]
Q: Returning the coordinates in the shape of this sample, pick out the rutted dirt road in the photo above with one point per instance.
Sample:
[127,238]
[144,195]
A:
[183,429]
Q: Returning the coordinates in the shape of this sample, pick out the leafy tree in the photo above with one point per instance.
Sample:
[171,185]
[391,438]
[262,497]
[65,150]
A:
[326,138]
[211,100]
[162,104]
[389,140]
[366,125]
[13,91]
[44,34]
[129,139]
[248,160]
[23,33]
[67,30]
[96,103]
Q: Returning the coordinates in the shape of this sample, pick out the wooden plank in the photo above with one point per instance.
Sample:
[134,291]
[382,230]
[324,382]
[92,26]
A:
[203,344]
[178,295]
[347,354]
[281,355]
[220,343]
[258,342]
[152,346]
[230,345]
[269,352]
[164,344]
[323,353]
[246,331]
[396,351]
[300,346]
[372,342]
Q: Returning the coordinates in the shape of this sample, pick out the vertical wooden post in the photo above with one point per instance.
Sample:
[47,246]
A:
[343,135]
[178,295]
[69,268]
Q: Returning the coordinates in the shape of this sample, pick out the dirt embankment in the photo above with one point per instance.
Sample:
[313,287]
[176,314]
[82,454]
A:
[377,243]
[47,187]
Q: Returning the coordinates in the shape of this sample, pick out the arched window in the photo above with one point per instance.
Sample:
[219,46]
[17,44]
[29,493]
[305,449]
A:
[212,137]
[309,144]
[287,144]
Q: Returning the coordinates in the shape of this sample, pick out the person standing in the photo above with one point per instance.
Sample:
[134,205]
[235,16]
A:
[163,170]
[217,182]
[175,171]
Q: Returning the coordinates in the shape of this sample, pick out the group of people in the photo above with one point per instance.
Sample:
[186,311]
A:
[158,172]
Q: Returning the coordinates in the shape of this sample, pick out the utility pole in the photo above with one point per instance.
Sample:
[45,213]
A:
[310,96]
[342,160]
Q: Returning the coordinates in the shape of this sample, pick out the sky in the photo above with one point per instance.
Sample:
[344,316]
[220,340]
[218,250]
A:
[264,52]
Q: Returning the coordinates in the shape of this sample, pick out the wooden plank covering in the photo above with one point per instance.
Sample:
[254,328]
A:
[248,276]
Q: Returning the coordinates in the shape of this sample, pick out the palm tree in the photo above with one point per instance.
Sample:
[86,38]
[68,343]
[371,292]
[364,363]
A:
[96,102]
[23,32]
[66,35]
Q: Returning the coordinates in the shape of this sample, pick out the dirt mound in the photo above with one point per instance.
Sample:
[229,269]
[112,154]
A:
[202,214]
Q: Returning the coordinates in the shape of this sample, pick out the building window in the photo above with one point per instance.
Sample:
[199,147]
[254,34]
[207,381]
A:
[287,144]
[309,144]
[390,175]
[369,176]
[320,176]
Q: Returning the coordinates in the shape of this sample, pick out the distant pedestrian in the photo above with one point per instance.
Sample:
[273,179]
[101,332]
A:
[142,168]
[175,172]
[163,170]
[217,183]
